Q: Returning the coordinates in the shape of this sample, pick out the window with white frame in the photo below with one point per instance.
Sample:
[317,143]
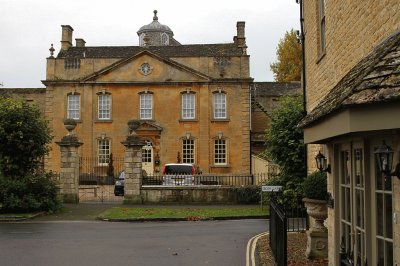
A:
[188,151]
[188,105]
[73,106]
[220,105]
[220,152]
[104,106]
[147,154]
[146,106]
[103,151]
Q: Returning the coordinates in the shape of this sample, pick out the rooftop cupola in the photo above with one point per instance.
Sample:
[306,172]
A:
[157,33]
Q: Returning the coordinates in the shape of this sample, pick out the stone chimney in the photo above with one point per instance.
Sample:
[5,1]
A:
[240,39]
[66,38]
[80,42]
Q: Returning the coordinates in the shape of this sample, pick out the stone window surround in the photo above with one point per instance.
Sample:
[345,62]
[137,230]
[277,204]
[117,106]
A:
[79,106]
[102,150]
[146,92]
[226,117]
[189,137]
[98,119]
[226,151]
[320,10]
[194,118]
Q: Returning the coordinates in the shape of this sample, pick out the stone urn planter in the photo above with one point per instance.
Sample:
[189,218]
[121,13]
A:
[315,192]
[318,210]
[133,125]
[69,125]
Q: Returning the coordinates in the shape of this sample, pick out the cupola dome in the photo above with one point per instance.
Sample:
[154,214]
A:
[155,33]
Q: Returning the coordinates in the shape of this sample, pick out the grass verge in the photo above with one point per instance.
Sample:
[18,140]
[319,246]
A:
[17,216]
[181,213]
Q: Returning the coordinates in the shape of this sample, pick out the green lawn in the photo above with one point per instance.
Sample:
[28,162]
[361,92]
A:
[186,213]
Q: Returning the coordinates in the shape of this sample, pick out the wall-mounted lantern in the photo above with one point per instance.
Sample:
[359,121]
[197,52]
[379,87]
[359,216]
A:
[322,163]
[157,159]
[384,160]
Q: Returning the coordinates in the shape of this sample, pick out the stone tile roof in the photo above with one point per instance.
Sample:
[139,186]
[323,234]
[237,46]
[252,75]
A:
[276,88]
[21,90]
[225,49]
[375,79]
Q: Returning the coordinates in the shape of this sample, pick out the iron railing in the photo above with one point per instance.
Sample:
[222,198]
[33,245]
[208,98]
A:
[282,221]
[202,180]
[278,233]
[91,172]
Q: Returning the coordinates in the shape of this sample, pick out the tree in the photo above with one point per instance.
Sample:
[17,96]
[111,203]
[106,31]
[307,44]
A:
[285,146]
[24,135]
[288,66]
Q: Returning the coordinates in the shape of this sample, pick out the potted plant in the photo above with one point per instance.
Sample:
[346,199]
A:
[314,192]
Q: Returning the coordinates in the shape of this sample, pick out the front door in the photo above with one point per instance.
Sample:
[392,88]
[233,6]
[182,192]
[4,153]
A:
[147,158]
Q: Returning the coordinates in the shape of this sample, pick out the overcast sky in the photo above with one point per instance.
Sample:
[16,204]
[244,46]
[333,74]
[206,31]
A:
[29,27]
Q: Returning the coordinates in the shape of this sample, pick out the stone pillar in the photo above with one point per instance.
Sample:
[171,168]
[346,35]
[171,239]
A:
[69,172]
[133,166]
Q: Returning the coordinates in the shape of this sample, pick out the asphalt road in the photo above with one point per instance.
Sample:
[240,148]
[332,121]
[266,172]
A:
[148,243]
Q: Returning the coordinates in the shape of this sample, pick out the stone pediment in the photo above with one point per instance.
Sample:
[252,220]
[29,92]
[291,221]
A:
[148,126]
[146,67]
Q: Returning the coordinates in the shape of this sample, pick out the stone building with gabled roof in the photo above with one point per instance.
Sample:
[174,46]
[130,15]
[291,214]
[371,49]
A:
[191,101]
[352,70]
[264,100]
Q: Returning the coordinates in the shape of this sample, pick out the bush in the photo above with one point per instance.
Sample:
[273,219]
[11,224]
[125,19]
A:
[290,196]
[315,186]
[247,195]
[32,193]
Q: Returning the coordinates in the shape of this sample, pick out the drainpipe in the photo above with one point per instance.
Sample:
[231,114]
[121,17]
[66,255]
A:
[250,131]
[303,73]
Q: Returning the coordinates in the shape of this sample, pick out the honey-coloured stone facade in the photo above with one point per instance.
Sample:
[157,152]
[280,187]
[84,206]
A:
[352,98]
[170,72]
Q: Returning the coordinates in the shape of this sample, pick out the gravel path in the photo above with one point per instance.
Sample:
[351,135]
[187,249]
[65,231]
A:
[297,244]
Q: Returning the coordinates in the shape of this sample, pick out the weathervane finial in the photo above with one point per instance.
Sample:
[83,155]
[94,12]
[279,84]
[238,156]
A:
[155,15]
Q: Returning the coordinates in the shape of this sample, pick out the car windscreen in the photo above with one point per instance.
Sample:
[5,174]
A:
[178,169]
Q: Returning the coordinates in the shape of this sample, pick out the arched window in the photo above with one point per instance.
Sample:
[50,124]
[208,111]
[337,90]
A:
[164,39]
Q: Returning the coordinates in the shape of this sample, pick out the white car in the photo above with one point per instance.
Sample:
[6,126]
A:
[179,174]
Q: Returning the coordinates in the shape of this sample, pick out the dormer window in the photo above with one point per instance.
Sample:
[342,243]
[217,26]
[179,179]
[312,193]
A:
[164,39]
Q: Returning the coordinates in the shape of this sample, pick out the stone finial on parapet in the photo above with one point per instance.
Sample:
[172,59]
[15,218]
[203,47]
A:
[133,137]
[70,139]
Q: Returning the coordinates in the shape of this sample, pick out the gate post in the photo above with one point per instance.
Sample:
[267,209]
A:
[69,170]
[133,166]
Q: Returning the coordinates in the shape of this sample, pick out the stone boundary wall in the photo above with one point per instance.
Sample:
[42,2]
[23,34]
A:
[204,194]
